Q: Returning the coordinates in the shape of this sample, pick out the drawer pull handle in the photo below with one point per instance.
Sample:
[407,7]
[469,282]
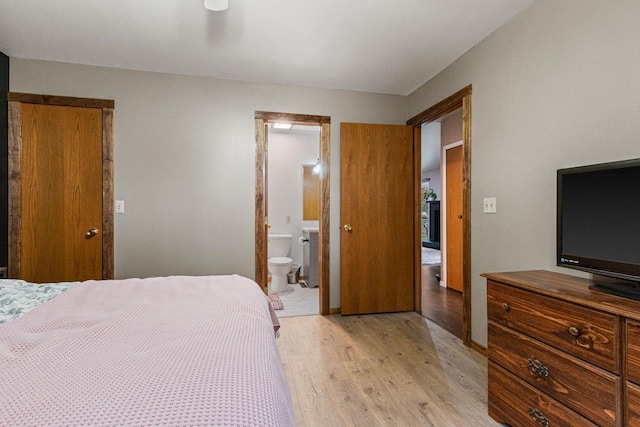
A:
[506,306]
[538,417]
[537,368]
[574,331]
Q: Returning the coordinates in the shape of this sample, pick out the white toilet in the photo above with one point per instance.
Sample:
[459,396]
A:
[278,247]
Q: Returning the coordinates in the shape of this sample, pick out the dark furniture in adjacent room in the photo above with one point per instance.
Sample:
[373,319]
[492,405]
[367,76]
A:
[433,231]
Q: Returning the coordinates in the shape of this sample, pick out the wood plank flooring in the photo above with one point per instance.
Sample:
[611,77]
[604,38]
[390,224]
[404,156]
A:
[381,370]
[441,305]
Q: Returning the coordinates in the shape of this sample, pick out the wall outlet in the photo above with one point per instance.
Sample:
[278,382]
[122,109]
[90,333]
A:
[489,205]
[119,206]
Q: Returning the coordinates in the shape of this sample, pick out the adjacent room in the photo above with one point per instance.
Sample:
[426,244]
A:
[223,212]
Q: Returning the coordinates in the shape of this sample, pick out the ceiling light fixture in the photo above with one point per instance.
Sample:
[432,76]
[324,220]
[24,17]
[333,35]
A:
[283,126]
[216,5]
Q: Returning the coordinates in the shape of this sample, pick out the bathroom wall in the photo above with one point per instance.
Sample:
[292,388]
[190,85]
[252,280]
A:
[288,151]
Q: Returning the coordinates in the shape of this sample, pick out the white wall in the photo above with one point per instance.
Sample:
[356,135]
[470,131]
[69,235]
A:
[431,135]
[288,151]
[185,160]
[557,86]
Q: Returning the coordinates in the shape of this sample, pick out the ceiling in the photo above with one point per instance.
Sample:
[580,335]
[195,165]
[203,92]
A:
[391,46]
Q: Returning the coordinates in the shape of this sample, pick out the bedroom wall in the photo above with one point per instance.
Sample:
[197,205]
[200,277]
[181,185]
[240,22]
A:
[184,160]
[555,87]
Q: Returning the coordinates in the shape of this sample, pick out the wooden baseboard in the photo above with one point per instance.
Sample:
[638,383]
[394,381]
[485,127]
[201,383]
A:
[480,349]
[335,310]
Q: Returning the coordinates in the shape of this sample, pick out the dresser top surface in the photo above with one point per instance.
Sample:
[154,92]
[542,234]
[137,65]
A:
[567,288]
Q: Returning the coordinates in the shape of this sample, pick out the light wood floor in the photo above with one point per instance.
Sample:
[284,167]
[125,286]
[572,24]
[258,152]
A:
[381,370]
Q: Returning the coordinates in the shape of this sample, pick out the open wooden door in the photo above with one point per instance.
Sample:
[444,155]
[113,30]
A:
[377,214]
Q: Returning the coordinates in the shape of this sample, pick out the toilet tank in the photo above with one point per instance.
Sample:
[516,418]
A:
[278,245]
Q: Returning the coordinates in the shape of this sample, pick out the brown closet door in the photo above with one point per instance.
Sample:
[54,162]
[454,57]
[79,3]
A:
[61,193]
[376,210]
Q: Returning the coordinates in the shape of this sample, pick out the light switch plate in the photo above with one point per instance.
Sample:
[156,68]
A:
[119,206]
[489,205]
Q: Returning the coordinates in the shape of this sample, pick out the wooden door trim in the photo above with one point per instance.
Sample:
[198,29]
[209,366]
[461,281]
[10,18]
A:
[307,119]
[15,178]
[15,192]
[442,108]
[460,99]
[443,209]
[417,219]
[261,271]
[262,119]
[66,101]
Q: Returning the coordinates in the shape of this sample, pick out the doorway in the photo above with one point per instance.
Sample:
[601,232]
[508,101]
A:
[263,120]
[461,100]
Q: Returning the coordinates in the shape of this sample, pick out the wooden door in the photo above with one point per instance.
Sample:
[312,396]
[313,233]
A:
[454,208]
[377,231]
[61,198]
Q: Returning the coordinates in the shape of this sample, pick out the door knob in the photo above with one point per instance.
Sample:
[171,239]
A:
[91,233]
[459,216]
[347,227]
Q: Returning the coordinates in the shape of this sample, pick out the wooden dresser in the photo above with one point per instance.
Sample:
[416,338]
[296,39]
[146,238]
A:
[561,354]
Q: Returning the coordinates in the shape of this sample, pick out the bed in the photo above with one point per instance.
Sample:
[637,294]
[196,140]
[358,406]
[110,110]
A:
[160,351]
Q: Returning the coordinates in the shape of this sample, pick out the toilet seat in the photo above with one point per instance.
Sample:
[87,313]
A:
[280,260]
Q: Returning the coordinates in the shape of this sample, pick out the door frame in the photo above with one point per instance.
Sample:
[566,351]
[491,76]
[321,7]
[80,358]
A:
[15,166]
[460,99]
[262,120]
[443,211]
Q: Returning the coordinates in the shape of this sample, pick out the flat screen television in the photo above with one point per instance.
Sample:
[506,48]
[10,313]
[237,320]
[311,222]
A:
[598,228]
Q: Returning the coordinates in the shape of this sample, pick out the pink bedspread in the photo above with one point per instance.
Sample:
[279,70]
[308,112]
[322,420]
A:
[155,352]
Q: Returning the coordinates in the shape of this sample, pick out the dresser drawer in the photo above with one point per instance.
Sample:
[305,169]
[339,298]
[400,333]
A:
[589,334]
[514,402]
[633,351]
[633,405]
[586,389]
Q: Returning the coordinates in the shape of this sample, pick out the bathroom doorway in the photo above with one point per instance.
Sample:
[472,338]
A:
[292,202]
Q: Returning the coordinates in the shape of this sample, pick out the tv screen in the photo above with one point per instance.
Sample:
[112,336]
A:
[599,221]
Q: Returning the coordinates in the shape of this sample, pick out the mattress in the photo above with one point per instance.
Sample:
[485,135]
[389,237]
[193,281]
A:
[161,351]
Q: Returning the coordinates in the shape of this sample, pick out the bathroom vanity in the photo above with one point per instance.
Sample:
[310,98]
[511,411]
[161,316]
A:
[310,256]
